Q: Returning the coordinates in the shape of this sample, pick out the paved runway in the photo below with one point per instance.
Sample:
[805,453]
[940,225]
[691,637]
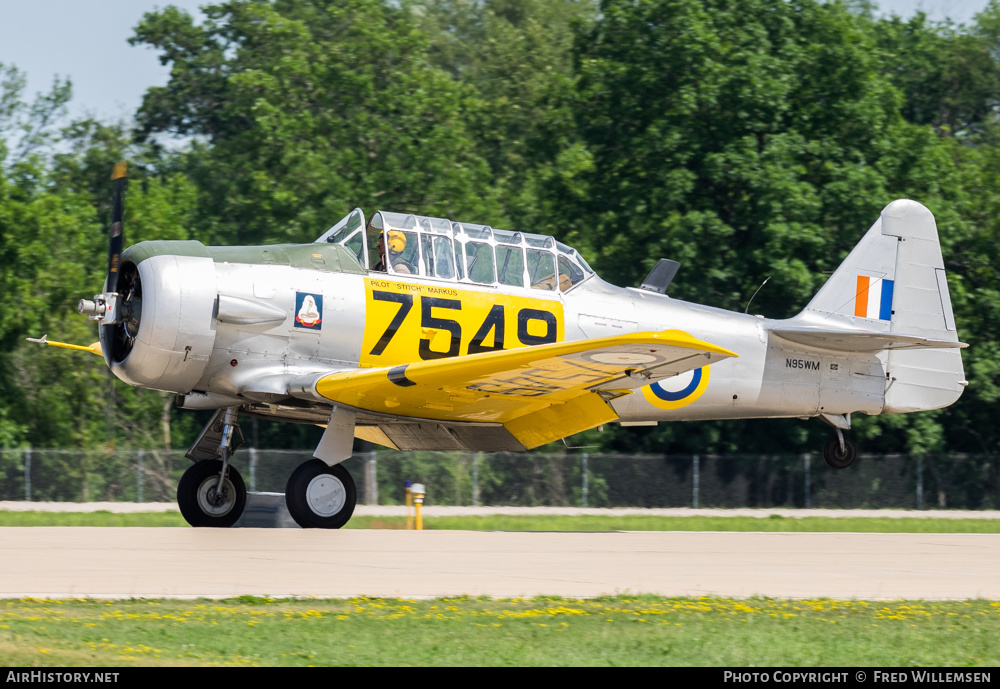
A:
[182,562]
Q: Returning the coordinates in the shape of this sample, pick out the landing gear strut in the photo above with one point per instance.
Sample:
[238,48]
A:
[320,496]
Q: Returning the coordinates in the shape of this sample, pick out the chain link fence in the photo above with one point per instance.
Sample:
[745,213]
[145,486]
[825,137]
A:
[584,480]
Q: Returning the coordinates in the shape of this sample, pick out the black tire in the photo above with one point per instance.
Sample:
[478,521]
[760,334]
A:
[320,496]
[837,459]
[196,490]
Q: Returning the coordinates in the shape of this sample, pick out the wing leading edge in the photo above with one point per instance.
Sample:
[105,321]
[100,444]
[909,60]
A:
[539,394]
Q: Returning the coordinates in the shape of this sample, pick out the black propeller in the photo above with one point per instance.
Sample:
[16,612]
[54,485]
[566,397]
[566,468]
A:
[122,279]
[119,308]
[119,179]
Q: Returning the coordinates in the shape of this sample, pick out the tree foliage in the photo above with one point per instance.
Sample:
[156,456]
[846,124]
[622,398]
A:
[304,110]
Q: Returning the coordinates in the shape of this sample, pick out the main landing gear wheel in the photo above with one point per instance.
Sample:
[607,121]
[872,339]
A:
[320,496]
[837,458]
[199,501]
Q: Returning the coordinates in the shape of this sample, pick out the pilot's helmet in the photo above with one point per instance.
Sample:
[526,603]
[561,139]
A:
[397,241]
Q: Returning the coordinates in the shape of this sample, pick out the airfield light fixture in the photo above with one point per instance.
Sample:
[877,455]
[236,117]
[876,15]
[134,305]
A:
[418,501]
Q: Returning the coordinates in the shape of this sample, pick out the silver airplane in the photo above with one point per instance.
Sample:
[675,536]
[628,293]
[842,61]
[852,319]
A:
[420,333]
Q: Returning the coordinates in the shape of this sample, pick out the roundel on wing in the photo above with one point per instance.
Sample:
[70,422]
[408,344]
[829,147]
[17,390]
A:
[678,391]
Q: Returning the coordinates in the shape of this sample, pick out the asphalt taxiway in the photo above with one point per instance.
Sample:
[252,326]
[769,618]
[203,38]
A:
[103,562]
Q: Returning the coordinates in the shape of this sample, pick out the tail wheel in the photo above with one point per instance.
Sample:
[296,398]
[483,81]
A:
[837,458]
[200,501]
[320,496]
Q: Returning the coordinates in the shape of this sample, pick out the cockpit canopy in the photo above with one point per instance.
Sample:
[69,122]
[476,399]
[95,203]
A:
[402,244]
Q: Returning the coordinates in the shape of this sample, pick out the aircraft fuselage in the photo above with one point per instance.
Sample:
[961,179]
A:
[224,321]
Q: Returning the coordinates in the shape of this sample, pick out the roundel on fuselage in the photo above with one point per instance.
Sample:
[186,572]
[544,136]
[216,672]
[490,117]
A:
[678,391]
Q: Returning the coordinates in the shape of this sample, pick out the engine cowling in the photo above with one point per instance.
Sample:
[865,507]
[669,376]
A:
[164,330]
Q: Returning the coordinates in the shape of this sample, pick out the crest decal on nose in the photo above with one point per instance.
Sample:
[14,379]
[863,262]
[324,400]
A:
[308,310]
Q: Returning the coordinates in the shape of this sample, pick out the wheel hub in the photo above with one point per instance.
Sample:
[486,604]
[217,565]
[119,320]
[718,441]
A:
[326,495]
[211,501]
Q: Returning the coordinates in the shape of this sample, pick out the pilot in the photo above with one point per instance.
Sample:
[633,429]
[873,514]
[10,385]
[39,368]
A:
[397,242]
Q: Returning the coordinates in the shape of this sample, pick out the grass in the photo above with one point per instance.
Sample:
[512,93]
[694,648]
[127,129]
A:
[554,522]
[99,518]
[650,523]
[620,630]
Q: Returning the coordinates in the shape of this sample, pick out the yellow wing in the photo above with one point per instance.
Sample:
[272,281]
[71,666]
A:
[539,393]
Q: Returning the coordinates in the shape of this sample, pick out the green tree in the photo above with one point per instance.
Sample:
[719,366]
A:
[948,75]
[516,56]
[301,110]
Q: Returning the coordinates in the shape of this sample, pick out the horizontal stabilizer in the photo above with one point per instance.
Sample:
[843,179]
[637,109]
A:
[860,340]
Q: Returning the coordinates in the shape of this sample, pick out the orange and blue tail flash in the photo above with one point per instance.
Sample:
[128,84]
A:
[873,298]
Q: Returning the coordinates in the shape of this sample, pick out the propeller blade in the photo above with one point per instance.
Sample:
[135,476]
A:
[119,179]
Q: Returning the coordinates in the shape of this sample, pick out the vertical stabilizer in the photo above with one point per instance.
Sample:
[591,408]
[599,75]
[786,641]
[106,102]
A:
[894,281]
